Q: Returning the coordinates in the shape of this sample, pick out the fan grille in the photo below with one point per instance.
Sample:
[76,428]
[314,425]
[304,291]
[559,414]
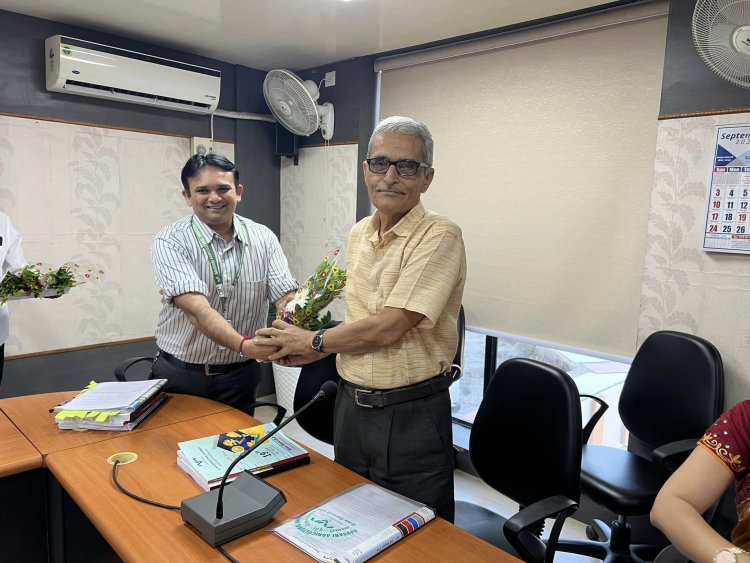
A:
[290,102]
[721,33]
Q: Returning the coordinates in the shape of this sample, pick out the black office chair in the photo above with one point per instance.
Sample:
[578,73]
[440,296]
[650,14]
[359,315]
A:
[526,444]
[674,390]
[318,419]
[121,375]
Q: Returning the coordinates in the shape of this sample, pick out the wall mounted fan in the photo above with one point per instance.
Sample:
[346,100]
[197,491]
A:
[294,103]
[721,33]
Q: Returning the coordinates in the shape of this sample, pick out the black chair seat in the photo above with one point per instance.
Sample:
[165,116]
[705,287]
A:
[484,524]
[624,482]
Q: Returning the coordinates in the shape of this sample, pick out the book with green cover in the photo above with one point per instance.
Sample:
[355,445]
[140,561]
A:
[207,459]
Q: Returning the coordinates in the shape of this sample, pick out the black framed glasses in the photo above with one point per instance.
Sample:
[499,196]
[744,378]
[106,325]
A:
[405,168]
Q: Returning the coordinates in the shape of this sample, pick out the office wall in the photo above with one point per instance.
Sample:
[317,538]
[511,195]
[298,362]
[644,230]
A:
[22,92]
[685,288]
[353,99]
[318,208]
[94,180]
[689,85]
[95,196]
[22,89]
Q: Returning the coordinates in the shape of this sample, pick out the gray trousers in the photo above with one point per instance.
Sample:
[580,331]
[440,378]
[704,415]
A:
[407,447]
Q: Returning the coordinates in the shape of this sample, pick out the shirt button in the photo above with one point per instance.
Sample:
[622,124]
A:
[368,355]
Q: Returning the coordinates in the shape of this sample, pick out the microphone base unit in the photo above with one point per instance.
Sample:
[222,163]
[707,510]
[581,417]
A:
[249,504]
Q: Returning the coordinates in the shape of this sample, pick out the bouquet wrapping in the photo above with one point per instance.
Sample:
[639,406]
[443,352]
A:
[325,284]
[44,280]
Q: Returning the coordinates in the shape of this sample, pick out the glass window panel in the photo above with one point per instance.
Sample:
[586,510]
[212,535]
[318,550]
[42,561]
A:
[593,375]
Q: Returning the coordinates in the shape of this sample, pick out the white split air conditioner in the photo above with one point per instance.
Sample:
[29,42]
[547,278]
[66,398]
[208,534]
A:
[75,66]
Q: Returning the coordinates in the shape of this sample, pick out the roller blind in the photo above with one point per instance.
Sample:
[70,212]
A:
[544,153]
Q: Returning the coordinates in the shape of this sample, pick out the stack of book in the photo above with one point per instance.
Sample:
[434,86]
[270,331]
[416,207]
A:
[207,459]
[118,406]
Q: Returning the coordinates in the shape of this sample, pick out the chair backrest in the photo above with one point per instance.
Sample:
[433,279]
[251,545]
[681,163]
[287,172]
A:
[674,389]
[526,439]
[458,359]
[318,419]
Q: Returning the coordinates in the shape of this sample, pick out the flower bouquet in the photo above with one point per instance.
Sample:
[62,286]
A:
[43,280]
[323,286]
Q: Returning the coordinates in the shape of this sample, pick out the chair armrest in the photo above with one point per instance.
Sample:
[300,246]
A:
[662,454]
[589,428]
[125,365]
[280,411]
[517,528]
[540,510]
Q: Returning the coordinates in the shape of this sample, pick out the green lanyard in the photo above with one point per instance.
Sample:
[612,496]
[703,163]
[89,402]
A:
[214,263]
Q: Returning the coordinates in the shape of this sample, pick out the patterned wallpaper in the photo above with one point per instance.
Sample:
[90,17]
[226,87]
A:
[684,287]
[97,196]
[318,207]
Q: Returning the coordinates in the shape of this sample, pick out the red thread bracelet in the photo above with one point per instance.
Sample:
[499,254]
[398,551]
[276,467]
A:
[244,338]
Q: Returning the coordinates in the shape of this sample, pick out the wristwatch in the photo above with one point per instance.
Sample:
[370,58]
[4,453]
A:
[728,554]
[317,341]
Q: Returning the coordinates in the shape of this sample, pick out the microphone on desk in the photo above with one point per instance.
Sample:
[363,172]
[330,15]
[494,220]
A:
[251,502]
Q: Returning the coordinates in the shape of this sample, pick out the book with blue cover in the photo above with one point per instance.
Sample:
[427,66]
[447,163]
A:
[207,459]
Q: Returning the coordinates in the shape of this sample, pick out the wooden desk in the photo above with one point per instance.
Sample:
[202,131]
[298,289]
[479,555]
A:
[30,414]
[16,452]
[140,532]
[23,536]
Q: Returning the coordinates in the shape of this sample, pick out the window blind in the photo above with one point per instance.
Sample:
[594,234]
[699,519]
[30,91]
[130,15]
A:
[544,154]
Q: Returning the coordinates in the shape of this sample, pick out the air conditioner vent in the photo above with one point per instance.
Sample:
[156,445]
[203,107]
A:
[122,92]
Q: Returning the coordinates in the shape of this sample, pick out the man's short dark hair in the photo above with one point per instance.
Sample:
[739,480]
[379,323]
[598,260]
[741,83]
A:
[198,161]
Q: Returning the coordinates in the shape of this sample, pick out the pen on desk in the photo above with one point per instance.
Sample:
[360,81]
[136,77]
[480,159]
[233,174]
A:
[58,405]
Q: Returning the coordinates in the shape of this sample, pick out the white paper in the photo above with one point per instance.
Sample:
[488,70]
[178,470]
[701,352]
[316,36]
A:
[355,525]
[112,395]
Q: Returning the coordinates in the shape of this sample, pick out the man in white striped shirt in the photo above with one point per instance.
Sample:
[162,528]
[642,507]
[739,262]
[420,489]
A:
[217,272]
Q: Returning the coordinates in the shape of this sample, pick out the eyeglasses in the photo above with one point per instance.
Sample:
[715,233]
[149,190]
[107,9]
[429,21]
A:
[405,168]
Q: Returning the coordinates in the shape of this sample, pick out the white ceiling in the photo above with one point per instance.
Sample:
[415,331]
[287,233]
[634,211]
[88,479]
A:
[294,34]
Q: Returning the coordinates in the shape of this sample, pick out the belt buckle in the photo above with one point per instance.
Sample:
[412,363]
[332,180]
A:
[356,397]
[207,371]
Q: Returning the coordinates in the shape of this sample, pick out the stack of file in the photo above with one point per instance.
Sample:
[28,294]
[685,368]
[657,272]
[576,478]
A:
[207,459]
[115,406]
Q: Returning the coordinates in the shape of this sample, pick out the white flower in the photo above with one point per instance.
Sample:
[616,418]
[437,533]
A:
[300,298]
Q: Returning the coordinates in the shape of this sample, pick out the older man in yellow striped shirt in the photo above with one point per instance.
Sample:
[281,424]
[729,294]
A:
[406,268]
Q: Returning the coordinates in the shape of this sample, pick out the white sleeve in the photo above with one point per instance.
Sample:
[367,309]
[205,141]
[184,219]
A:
[14,258]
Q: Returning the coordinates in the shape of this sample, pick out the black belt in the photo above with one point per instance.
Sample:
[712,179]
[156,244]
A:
[383,397]
[205,369]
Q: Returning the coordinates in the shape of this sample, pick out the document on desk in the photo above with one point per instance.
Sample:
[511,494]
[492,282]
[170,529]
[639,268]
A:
[124,396]
[355,525]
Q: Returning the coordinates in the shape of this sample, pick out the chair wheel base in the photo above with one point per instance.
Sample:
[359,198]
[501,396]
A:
[610,544]
[591,534]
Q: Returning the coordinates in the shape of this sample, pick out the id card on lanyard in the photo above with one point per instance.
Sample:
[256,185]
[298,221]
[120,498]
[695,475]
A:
[221,291]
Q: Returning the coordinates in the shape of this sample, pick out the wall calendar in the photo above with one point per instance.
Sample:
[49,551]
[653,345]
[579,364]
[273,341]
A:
[728,203]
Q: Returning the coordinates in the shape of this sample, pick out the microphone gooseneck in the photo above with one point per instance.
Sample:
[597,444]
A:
[328,389]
